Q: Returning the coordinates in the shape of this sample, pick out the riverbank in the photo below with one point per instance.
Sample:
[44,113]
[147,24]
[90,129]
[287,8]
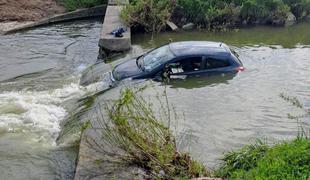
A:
[18,13]
[28,10]
[152,16]
[286,160]
[23,14]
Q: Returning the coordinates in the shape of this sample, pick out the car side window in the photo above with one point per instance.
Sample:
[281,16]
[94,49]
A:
[186,65]
[213,63]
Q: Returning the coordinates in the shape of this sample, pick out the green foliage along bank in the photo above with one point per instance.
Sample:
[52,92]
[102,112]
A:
[212,14]
[287,160]
[72,5]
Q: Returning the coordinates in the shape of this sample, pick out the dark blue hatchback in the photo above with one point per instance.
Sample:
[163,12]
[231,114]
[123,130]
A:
[179,59]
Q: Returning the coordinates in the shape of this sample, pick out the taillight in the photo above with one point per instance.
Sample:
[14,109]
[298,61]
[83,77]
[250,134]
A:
[240,69]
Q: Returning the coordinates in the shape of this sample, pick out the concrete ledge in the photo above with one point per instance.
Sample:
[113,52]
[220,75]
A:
[74,15]
[96,160]
[109,43]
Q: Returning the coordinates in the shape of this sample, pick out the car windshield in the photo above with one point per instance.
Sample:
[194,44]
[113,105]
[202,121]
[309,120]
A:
[155,58]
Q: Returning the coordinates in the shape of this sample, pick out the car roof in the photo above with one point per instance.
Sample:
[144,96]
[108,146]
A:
[186,48]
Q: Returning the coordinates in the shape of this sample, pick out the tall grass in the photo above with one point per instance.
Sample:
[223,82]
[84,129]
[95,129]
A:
[285,160]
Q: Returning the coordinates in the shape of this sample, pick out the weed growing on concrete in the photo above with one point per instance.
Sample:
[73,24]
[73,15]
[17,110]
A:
[130,125]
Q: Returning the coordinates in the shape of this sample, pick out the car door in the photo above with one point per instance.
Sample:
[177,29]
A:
[187,66]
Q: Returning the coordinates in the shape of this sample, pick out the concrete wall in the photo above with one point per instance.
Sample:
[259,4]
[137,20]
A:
[74,15]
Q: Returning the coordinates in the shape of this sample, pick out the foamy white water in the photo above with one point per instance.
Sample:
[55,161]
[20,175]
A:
[37,111]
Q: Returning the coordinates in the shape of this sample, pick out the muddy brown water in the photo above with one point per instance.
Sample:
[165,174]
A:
[39,85]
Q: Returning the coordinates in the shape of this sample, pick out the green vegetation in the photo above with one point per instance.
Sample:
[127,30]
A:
[212,14]
[144,140]
[150,14]
[72,5]
[287,160]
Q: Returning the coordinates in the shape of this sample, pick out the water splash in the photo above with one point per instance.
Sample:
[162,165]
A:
[39,111]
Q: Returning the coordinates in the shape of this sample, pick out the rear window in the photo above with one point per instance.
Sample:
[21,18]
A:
[213,63]
[236,55]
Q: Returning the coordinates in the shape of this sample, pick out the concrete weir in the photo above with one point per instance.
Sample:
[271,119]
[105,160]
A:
[108,43]
[94,159]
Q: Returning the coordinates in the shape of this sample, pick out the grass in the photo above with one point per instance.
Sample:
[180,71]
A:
[72,5]
[287,160]
[145,141]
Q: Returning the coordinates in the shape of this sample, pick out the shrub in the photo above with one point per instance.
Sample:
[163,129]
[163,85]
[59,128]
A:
[150,14]
[214,14]
[145,141]
[300,8]
[264,11]
[194,10]
[222,18]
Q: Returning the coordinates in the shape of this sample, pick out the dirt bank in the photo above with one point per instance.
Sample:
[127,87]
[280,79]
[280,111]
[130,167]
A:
[28,10]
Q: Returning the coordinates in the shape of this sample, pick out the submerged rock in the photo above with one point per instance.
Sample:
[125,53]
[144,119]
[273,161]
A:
[290,19]
[188,26]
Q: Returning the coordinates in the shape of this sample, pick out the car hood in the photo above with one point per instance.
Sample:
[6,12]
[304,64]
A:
[126,69]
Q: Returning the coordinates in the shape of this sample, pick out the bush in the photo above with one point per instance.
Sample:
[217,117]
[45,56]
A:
[264,11]
[71,5]
[152,15]
[223,18]
[194,10]
[300,8]
[214,14]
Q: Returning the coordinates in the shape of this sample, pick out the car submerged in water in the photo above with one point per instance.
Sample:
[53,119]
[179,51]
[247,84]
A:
[181,59]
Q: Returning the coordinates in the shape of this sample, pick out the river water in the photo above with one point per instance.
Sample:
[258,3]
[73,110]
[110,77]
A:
[39,87]
[39,83]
